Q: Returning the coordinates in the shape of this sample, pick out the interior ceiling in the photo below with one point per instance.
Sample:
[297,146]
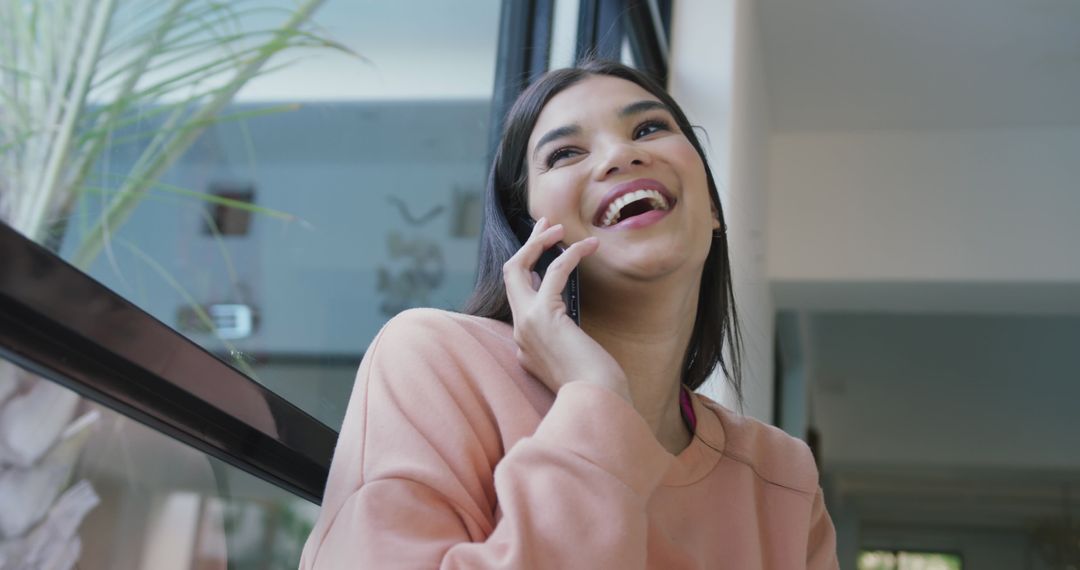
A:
[953,420]
[878,64]
[973,498]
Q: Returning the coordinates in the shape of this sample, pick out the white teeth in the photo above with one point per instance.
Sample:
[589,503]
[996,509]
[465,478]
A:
[655,198]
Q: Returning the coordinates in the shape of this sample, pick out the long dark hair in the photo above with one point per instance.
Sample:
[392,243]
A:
[506,196]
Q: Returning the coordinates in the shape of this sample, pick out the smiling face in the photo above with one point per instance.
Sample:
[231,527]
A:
[607,159]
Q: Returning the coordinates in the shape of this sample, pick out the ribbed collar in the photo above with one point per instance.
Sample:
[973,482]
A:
[705,449]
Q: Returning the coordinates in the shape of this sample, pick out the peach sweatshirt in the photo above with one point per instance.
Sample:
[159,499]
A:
[452,456]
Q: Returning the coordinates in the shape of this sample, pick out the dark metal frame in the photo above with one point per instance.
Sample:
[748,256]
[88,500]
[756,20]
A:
[525,43]
[524,50]
[600,28]
[648,36]
[64,326]
[602,24]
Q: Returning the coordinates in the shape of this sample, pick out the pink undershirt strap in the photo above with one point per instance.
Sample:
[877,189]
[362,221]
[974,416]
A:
[687,408]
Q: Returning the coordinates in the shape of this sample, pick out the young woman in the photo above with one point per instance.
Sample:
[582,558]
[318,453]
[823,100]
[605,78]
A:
[511,437]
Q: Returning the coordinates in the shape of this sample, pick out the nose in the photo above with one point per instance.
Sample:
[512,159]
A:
[621,156]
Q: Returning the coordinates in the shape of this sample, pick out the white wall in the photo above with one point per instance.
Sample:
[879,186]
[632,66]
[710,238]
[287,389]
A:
[717,76]
[991,205]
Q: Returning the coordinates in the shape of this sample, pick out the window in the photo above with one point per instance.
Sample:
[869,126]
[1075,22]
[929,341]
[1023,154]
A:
[633,32]
[908,560]
[349,191]
[333,193]
[113,493]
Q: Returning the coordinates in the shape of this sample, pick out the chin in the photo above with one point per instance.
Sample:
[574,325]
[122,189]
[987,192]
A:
[643,263]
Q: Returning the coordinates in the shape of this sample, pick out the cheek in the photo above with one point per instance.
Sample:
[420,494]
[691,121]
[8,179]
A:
[690,161]
[692,172]
[695,186]
[541,202]
[554,195]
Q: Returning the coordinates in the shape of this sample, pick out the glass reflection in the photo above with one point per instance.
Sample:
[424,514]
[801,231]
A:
[343,187]
[82,486]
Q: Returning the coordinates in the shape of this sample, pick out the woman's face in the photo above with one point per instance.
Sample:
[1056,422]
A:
[607,159]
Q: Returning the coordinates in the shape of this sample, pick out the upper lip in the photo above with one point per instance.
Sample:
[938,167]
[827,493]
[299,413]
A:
[626,188]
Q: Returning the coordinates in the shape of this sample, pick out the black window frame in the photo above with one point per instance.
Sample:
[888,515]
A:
[602,24]
[64,326]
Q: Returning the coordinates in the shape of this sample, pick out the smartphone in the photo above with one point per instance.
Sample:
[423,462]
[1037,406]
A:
[523,227]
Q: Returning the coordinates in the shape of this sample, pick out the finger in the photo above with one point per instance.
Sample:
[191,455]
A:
[559,270]
[540,225]
[517,272]
[529,254]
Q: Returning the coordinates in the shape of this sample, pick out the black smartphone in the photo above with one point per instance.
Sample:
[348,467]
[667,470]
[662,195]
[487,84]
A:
[523,227]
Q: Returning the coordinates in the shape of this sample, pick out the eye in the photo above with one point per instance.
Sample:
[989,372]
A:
[559,154]
[649,127]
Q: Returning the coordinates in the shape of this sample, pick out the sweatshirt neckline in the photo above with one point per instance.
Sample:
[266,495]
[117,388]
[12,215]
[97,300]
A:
[705,449]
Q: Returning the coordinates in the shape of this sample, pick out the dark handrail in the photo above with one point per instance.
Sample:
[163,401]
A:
[63,325]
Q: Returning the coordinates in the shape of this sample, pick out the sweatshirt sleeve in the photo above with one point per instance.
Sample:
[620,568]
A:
[821,547]
[419,478]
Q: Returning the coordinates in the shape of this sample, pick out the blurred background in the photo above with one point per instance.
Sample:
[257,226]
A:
[899,181]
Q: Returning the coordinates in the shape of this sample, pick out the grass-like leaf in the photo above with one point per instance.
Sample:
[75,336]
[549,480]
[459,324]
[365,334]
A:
[201,196]
[80,77]
[191,301]
[163,154]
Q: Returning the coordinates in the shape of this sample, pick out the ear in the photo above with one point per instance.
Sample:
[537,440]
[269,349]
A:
[715,216]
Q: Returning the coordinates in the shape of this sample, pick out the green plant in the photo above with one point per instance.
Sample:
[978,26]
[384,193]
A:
[76,77]
[74,73]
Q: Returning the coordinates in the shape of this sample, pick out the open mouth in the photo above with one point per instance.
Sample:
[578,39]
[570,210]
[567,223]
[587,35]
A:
[634,203]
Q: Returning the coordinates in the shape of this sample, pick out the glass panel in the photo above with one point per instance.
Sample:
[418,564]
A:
[877,560]
[626,54]
[338,188]
[927,561]
[84,487]
[564,30]
[906,560]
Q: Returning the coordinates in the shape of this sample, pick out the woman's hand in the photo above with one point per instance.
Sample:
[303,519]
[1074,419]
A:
[551,346]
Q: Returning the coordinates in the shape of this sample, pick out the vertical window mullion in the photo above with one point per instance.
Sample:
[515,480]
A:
[604,24]
[600,29]
[523,52]
[648,41]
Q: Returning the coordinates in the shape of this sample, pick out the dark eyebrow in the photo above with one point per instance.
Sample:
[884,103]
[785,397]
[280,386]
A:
[641,107]
[566,131]
[571,130]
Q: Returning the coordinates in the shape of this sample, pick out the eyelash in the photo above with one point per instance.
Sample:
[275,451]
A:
[562,152]
[557,155]
[661,125]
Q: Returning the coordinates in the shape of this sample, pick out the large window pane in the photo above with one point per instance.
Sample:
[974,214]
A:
[350,191]
[82,486]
